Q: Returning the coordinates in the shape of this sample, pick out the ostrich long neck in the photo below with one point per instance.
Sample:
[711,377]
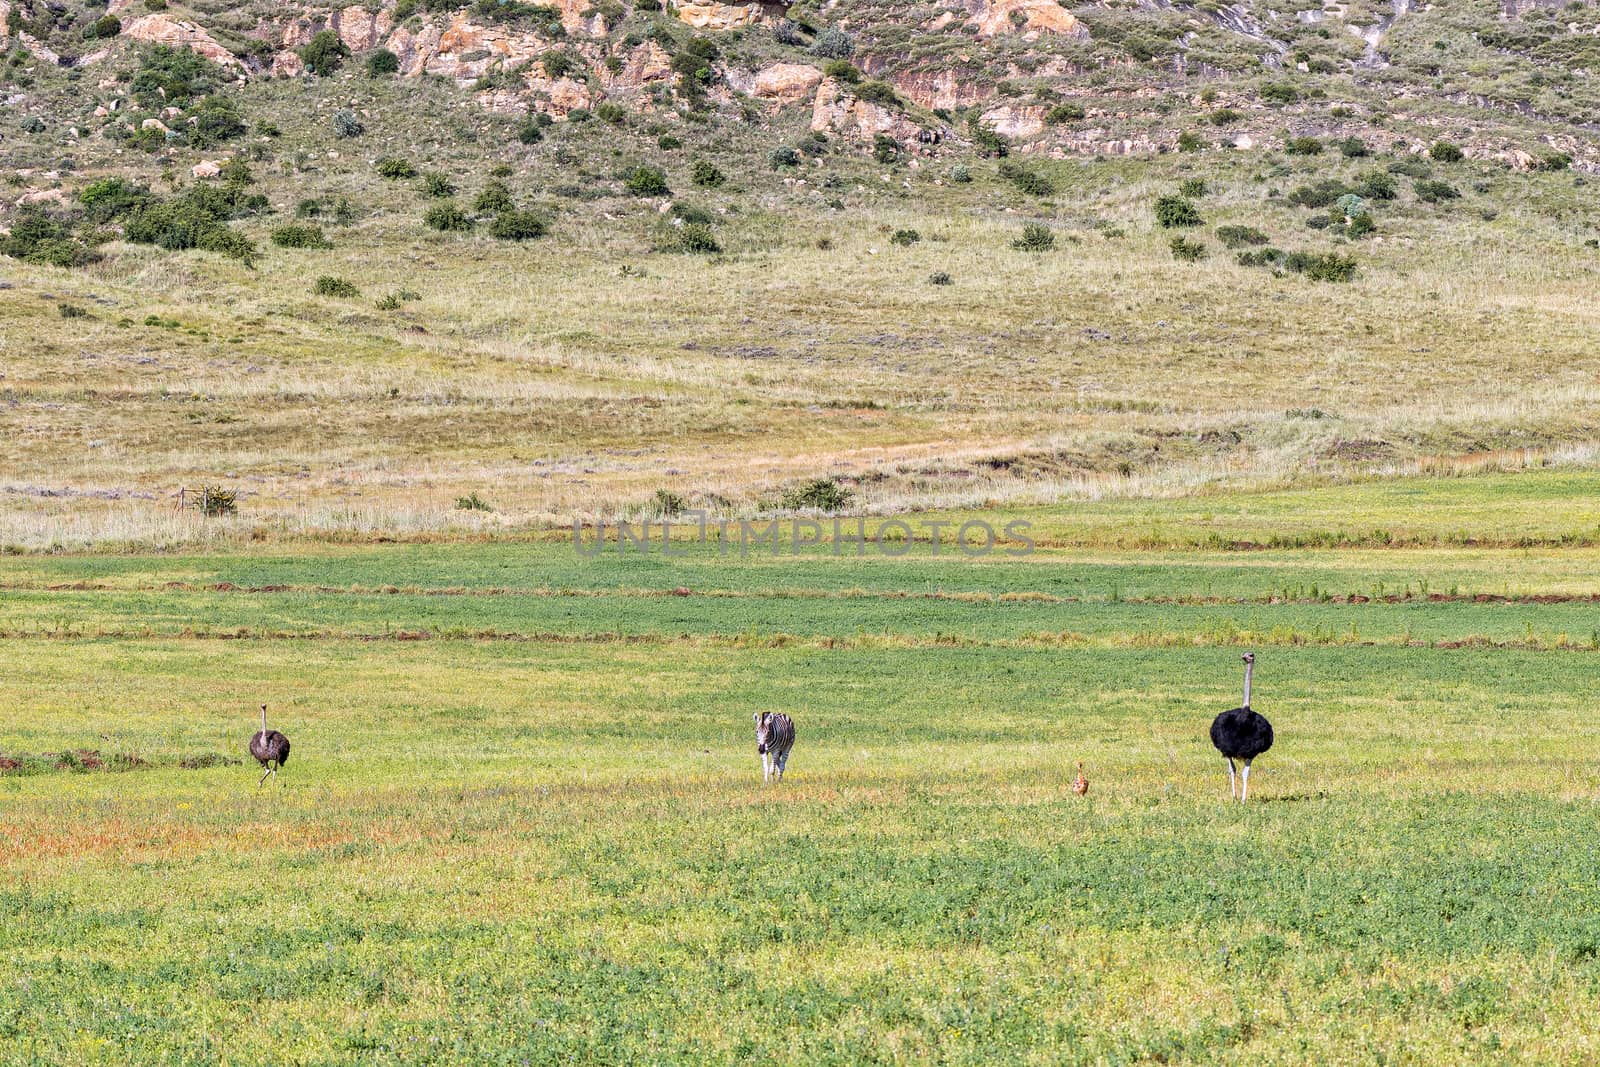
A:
[264,711]
[1248,667]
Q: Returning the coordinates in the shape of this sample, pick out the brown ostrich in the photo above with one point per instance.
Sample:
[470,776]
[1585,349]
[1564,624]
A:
[270,748]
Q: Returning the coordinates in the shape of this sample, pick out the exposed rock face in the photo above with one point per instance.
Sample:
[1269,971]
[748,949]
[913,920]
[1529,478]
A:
[950,89]
[1010,120]
[206,168]
[162,29]
[1032,17]
[553,96]
[647,64]
[836,110]
[785,82]
[711,15]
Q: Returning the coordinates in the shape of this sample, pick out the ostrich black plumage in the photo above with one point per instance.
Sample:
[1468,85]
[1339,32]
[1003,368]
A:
[1241,734]
[270,748]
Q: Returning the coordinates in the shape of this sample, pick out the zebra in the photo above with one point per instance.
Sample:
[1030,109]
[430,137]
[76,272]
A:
[774,739]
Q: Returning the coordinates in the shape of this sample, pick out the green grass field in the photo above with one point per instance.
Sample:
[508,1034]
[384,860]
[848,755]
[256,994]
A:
[524,820]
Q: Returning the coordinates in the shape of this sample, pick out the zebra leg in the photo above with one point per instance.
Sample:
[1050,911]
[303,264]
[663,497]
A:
[1246,794]
[766,766]
[783,762]
[1233,785]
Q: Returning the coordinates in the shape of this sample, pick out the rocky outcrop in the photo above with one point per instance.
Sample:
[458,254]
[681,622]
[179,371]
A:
[836,110]
[646,64]
[163,29]
[786,83]
[1027,17]
[1014,121]
[711,15]
[553,96]
[951,88]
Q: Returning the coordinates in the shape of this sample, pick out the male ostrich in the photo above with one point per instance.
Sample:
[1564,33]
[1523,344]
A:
[270,748]
[1242,734]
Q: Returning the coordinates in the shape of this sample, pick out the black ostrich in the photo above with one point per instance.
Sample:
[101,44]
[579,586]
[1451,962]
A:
[1241,734]
[270,748]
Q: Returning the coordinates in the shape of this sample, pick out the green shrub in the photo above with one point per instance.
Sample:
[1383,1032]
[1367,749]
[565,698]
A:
[1330,267]
[1302,146]
[645,180]
[198,220]
[300,237]
[1187,250]
[346,124]
[472,502]
[1434,192]
[1411,168]
[833,44]
[103,27]
[1175,211]
[885,149]
[878,92]
[1555,161]
[1319,194]
[528,132]
[437,186]
[1189,141]
[34,124]
[1193,187]
[392,301]
[1036,237]
[842,70]
[328,285]
[324,53]
[382,62]
[821,494]
[939,277]
[175,77]
[905,238]
[1279,93]
[1377,185]
[558,64]
[987,143]
[668,142]
[72,311]
[1240,236]
[606,111]
[1319,222]
[517,226]
[396,169]
[1224,116]
[703,172]
[1446,152]
[782,157]
[1353,148]
[960,174]
[1025,179]
[693,237]
[1064,113]
[112,198]
[494,198]
[447,217]
[1360,226]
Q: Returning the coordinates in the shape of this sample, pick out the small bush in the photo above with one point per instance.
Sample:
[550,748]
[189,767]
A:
[608,112]
[1189,141]
[905,238]
[558,64]
[1377,185]
[1187,250]
[960,174]
[493,198]
[1025,179]
[472,502]
[1446,152]
[833,44]
[1240,236]
[704,172]
[214,501]
[646,180]
[885,149]
[1330,267]
[842,70]
[1319,222]
[346,124]
[517,226]
[1555,161]
[939,277]
[783,157]
[300,237]
[382,62]
[822,494]
[104,27]
[72,311]
[1175,211]
[529,132]
[1193,187]
[1320,194]
[447,217]
[1353,148]
[1434,192]
[1302,146]
[1036,237]
[1064,113]
[1224,116]
[878,92]
[668,142]
[324,53]
[395,169]
[987,143]
[437,186]
[328,285]
[1360,226]
[693,237]
[1279,93]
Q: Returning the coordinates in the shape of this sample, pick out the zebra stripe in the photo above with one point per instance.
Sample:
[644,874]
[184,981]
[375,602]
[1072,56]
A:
[774,739]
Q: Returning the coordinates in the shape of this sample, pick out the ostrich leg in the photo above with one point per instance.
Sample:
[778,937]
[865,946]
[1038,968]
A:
[1233,784]
[1246,795]
[263,777]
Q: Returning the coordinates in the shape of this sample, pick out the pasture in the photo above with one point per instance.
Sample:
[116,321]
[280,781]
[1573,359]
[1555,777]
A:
[524,822]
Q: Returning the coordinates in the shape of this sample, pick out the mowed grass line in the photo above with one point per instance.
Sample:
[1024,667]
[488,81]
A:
[497,851]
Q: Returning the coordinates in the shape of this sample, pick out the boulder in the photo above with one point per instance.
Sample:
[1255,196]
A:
[163,29]
[206,168]
[1033,17]
[835,109]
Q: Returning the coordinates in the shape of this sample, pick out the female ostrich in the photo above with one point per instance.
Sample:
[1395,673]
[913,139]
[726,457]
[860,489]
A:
[1242,734]
[270,748]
